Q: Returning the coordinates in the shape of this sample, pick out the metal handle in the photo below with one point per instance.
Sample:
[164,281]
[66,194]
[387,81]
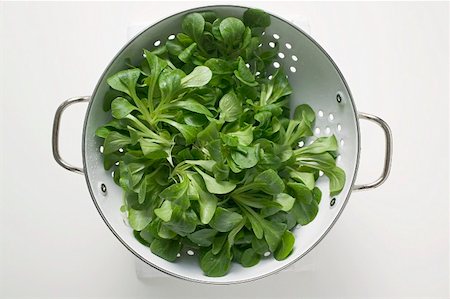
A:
[55,134]
[388,152]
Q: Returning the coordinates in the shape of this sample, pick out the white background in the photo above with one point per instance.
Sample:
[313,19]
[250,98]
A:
[389,242]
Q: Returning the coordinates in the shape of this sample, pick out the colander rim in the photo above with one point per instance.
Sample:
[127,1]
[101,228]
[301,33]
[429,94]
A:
[89,185]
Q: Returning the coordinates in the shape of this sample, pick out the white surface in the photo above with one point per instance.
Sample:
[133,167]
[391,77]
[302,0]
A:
[389,242]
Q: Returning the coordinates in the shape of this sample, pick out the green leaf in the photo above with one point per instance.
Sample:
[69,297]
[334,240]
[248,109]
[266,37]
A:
[184,39]
[244,136]
[186,54]
[244,74]
[320,145]
[230,107]
[218,243]
[270,182]
[169,83]
[189,132]
[182,222]
[206,200]
[133,172]
[305,208]
[245,156]
[219,66]
[192,105]
[272,233]
[337,179]
[306,178]
[142,191]
[144,236]
[175,191]
[231,30]
[156,66]
[224,220]
[216,265]
[233,233]
[256,18]
[165,232]
[285,200]
[326,163]
[174,47]
[114,141]
[304,111]
[193,25]
[256,200]
[151,149]
[301,192]
[260,245]
[256,225]
[286,246]
[208,134]
[125,81]
[139,219]
[199,77]
[208,15]
[205,164]
[221,171]
[165,211]
[203,237]
[166,249]
[249,258]
[317,194]
[214,186]
[121,107]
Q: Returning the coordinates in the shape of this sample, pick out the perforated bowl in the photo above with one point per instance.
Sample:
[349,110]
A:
[316,81]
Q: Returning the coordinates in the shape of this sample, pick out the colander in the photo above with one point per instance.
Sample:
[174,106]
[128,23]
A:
[316,81]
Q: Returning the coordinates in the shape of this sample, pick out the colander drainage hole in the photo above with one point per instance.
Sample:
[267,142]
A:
[103,188]
[281,55]
[276,65]
[342,142]
[190,252]
[331,117]
[338,98]
[301,143]
[276,36]
[332,202]
[339,127]
[157,43]
[292,69]
[289,46]
[317,131]
[266,254]
[101,149]
[295,58]
[272,44]
[327,130]
[178,254]
[320,113]
[171,37]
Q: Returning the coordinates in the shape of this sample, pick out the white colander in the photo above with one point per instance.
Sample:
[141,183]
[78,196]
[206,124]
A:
[316,81]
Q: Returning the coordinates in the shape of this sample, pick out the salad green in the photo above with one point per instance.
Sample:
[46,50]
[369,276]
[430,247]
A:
[205,150]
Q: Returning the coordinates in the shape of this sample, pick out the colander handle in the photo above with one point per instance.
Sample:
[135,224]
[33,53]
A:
[388,152]
[55,134]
